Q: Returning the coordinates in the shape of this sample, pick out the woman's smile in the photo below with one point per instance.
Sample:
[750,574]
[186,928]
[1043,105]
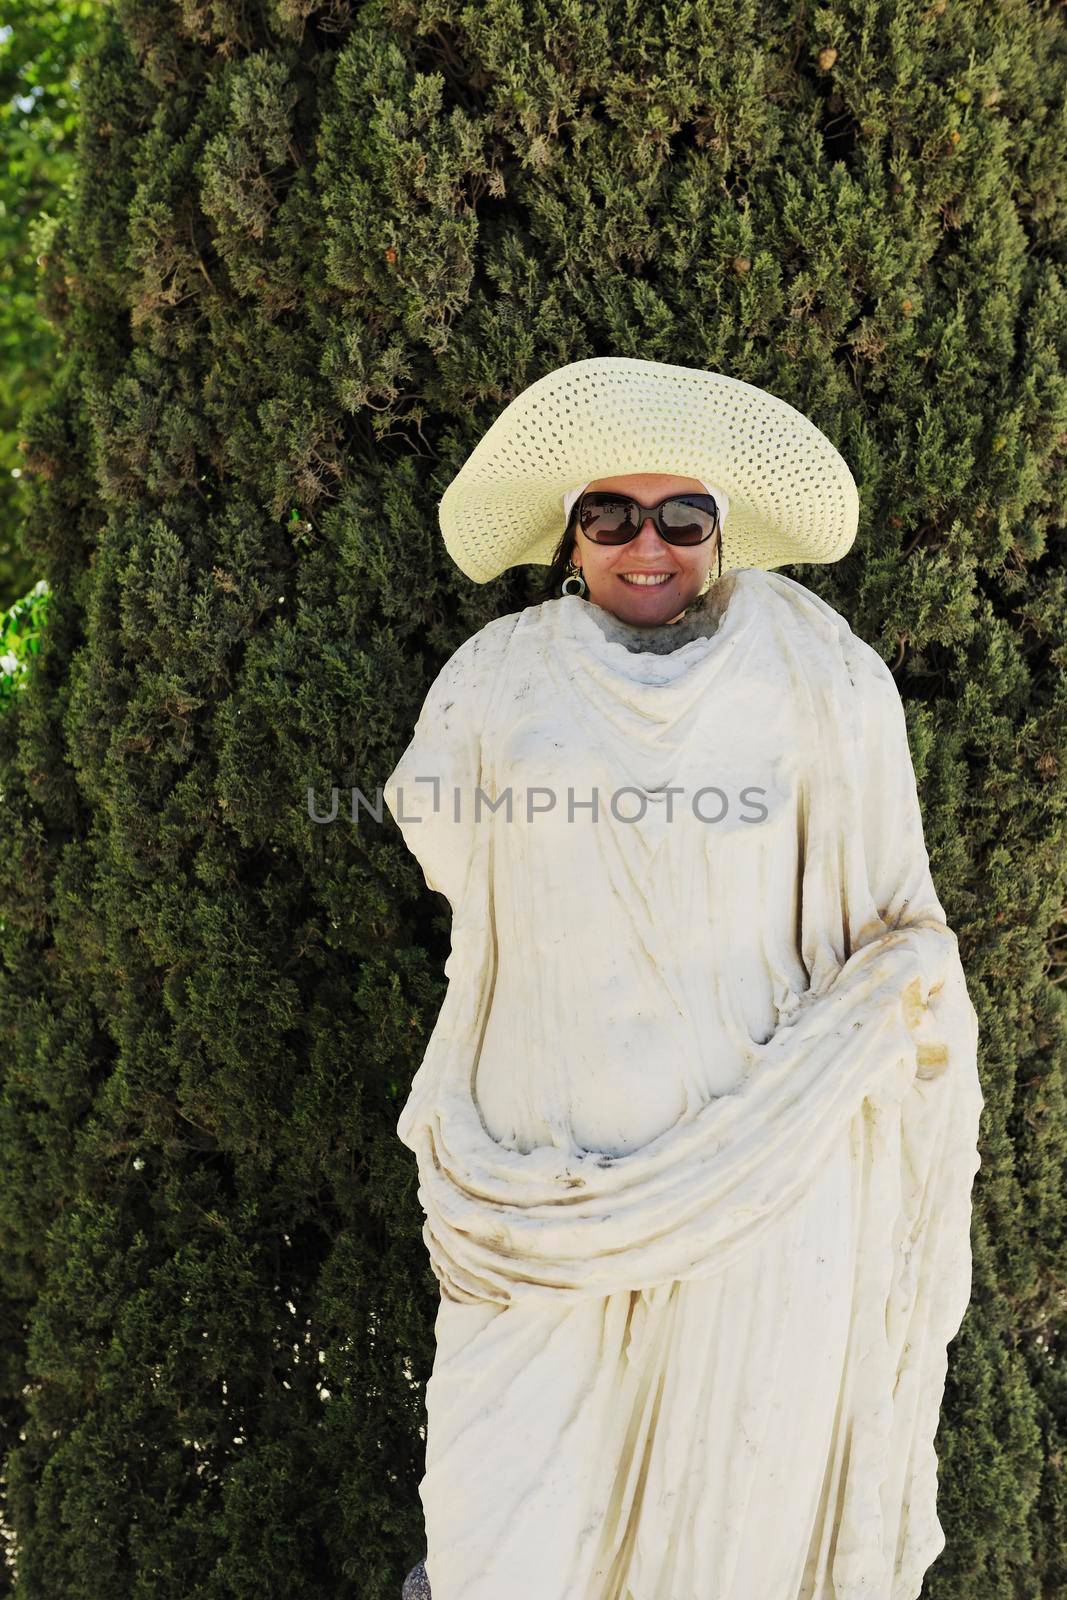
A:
[646,579]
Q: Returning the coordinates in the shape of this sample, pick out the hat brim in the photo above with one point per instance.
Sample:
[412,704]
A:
[792,496]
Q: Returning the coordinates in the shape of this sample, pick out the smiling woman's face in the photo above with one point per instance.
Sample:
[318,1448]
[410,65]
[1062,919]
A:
[683,569]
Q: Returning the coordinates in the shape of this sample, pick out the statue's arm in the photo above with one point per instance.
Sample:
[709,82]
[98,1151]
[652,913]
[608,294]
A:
[898,864]
[431,791]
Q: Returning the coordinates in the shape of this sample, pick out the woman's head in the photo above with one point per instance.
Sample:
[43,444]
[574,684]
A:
[686,570]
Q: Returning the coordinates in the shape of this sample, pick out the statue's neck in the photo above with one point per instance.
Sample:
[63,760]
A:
[698,620]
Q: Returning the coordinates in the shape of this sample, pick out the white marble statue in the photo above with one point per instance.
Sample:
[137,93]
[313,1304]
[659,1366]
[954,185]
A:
[697,1125]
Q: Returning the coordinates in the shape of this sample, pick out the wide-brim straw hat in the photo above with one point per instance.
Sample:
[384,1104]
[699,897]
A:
[792,497]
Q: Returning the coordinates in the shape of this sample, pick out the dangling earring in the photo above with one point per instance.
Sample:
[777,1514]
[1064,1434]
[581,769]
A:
[574,575]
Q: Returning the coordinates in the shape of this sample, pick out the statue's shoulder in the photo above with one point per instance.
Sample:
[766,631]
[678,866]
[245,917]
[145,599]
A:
[487,645]
[536,623]
[498,630]
[809,618]
[472,669]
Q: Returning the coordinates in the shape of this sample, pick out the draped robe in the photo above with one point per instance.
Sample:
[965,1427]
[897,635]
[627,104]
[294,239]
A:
[697,1125]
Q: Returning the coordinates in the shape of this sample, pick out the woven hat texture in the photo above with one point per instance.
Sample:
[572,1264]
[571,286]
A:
[792,497]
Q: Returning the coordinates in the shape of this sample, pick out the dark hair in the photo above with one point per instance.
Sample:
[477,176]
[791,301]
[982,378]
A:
[560,560]
[564,550]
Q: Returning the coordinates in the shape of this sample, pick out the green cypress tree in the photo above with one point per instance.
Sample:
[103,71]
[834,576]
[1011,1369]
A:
[312,250]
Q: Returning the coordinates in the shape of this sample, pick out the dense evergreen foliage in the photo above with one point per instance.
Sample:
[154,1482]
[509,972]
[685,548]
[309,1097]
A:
[311,251]
[40,42]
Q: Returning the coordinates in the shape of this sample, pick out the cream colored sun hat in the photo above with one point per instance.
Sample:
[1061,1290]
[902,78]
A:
[791,495]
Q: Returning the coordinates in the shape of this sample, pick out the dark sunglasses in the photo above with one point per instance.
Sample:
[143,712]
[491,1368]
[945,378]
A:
[608,518]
